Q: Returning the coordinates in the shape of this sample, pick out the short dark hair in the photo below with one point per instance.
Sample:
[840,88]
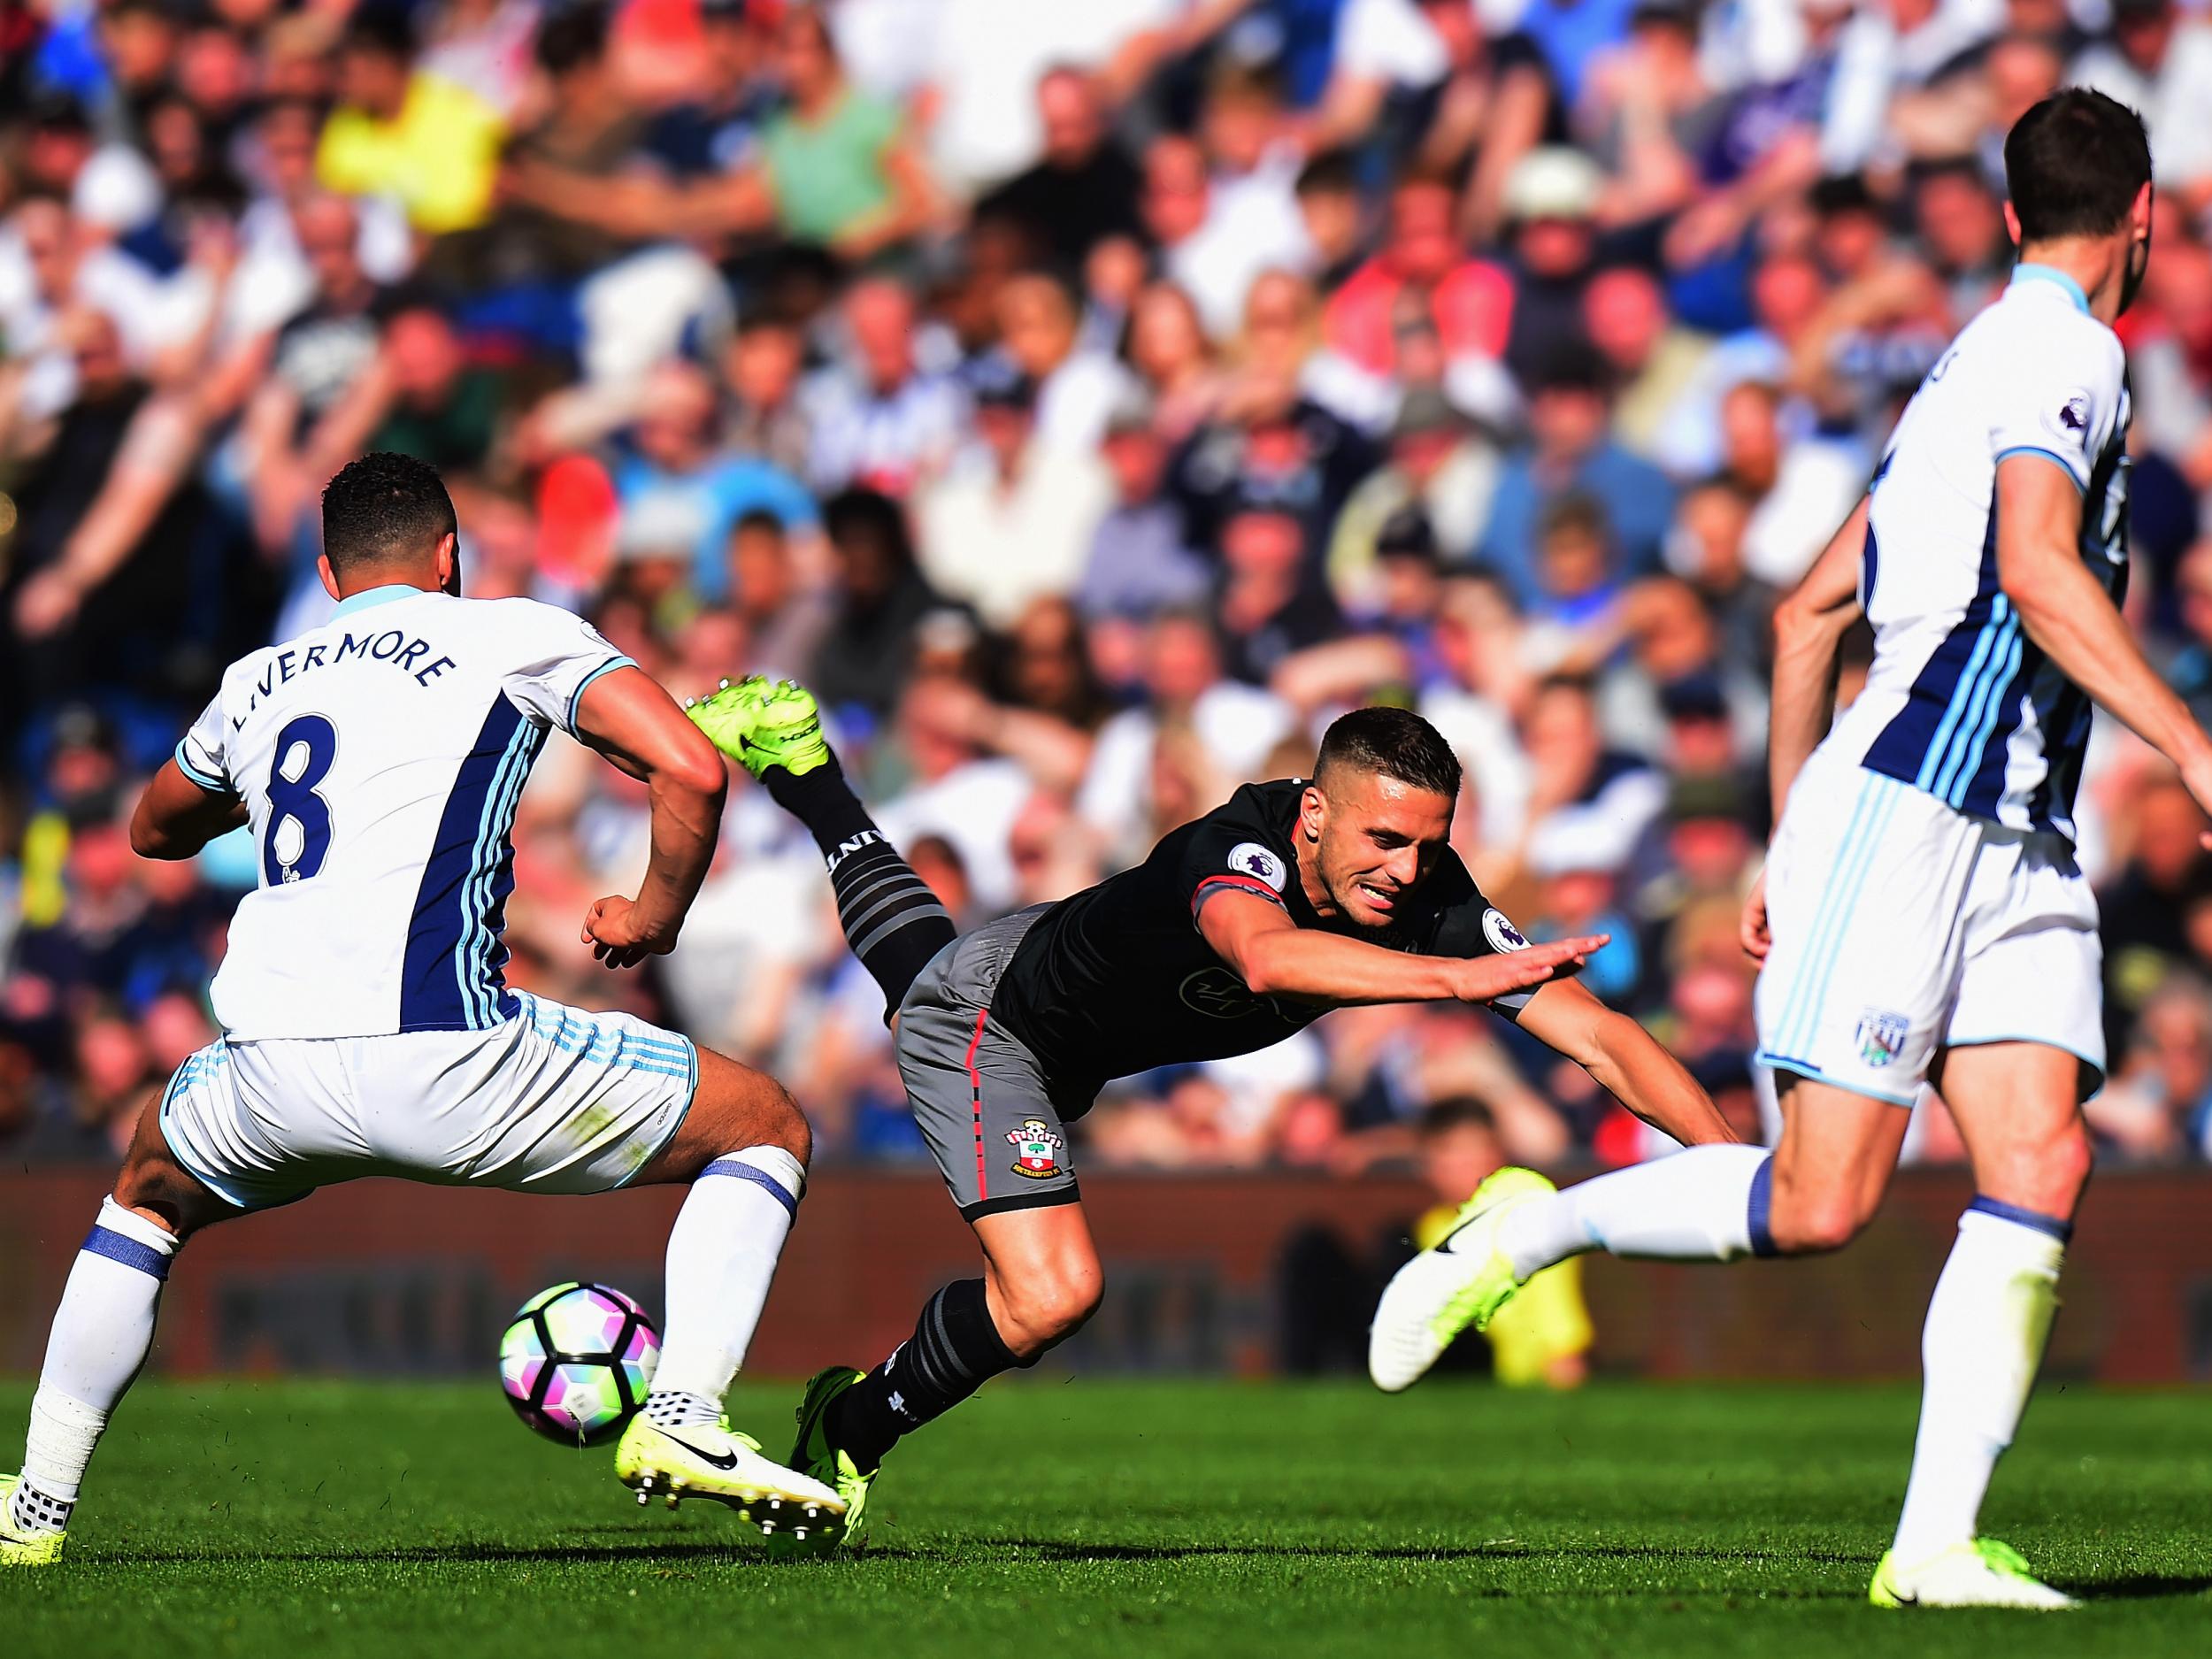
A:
[382,31]
[1455,1111]
[1395,743]
[1576,513]
[758,519]
[384,507]
[573,38]
[1332,171]
[2074,164]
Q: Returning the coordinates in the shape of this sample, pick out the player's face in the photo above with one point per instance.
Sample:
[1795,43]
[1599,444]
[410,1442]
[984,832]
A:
[1369,842]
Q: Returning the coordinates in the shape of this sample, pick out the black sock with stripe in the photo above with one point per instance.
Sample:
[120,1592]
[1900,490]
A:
[892,920]
[954,1351]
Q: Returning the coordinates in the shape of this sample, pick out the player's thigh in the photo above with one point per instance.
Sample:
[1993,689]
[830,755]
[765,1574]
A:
[1864,893]
[255,1125]
[733,1107]
[1041,1274]
[2018,1107]
[985,1106]
[1832,1164]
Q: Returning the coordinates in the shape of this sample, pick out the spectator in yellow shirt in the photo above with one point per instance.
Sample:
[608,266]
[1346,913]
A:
[430,144]
[1541,1337]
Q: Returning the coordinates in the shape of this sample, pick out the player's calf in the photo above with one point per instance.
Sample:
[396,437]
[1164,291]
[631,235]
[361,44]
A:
[743,1147]
[101,1333]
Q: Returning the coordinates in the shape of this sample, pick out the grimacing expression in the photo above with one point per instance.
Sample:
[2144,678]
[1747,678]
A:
[1371,840]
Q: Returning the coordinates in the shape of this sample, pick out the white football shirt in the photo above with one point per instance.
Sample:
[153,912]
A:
[1959,702]
[380,758]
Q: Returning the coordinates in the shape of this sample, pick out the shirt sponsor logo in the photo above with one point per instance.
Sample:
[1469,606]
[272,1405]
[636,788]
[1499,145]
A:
[1216,993]
[1250,858]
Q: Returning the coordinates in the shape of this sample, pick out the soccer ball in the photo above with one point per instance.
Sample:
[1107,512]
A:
[576,1362]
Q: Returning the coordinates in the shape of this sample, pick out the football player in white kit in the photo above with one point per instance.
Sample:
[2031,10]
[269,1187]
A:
[367,1028]
[1922,916]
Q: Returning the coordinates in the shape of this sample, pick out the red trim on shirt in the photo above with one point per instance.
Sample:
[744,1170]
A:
[1242,884]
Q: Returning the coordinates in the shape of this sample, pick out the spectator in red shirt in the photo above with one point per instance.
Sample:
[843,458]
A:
[1420,278]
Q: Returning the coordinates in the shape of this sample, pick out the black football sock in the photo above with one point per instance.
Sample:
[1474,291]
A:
[954,1351]
[892,920]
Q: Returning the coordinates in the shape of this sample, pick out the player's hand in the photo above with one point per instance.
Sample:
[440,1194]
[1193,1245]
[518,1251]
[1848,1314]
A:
[2197,779]
[621,935]
[46,605]
[1752,930]
[1486,979]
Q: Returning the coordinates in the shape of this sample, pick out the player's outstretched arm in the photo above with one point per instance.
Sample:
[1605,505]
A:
[175,818]
[1274,956]
[627,716]
[1623,1057]
[2065,610]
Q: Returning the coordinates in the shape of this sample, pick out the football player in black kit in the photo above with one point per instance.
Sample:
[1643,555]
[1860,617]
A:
[1242,927]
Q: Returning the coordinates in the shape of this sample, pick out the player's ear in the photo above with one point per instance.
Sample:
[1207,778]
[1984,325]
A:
[1312,807]
[449,564]
[2012,224]
[329,576]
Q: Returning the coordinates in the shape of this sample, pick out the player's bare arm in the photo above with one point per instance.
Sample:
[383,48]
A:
[1625,1059]
[1808,628]
[2066,612]
[627,716]
[1274,956]
[176,817]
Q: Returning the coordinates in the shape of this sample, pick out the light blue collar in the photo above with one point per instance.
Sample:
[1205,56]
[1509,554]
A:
[369,598]
[2052,274]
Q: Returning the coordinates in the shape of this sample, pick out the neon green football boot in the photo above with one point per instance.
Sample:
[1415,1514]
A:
[1464,1280]
[761,724]
[1982,1573]
[815,1453]
[19,1546]
[709,1460]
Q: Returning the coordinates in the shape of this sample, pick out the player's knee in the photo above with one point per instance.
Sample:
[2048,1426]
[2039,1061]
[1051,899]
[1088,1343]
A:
[155,1188]
[787,1127]
[1813,1222]
[1051,1308]
[737,1106]
[2044,1172]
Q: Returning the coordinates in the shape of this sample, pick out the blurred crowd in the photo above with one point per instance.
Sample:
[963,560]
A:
[1087,401]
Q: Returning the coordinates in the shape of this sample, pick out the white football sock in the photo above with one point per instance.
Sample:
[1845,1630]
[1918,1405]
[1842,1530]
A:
[1695,1205]
[721,1258]
[101,1333]
[1980,1350]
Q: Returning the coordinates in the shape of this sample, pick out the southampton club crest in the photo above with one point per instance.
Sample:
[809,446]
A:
[1036,1149]
[1882,1035]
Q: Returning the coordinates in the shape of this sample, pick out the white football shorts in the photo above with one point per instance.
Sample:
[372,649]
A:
[554,1100]
[1903,927]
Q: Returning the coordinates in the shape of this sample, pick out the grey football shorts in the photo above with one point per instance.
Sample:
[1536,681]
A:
[992,1117]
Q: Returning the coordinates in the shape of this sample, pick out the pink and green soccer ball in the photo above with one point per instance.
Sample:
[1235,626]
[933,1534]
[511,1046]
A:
[576,1362]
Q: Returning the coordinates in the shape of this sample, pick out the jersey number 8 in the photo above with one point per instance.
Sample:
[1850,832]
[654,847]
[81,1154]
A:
[293,800]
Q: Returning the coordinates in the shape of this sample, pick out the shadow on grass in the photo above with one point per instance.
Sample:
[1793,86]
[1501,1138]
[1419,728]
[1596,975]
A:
[744,1552]
[2141,1586]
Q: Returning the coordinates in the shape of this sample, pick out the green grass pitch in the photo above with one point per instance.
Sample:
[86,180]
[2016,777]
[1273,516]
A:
[1072,1517]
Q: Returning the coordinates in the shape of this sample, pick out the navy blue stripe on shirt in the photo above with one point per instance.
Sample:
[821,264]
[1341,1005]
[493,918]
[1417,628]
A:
[432,996]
